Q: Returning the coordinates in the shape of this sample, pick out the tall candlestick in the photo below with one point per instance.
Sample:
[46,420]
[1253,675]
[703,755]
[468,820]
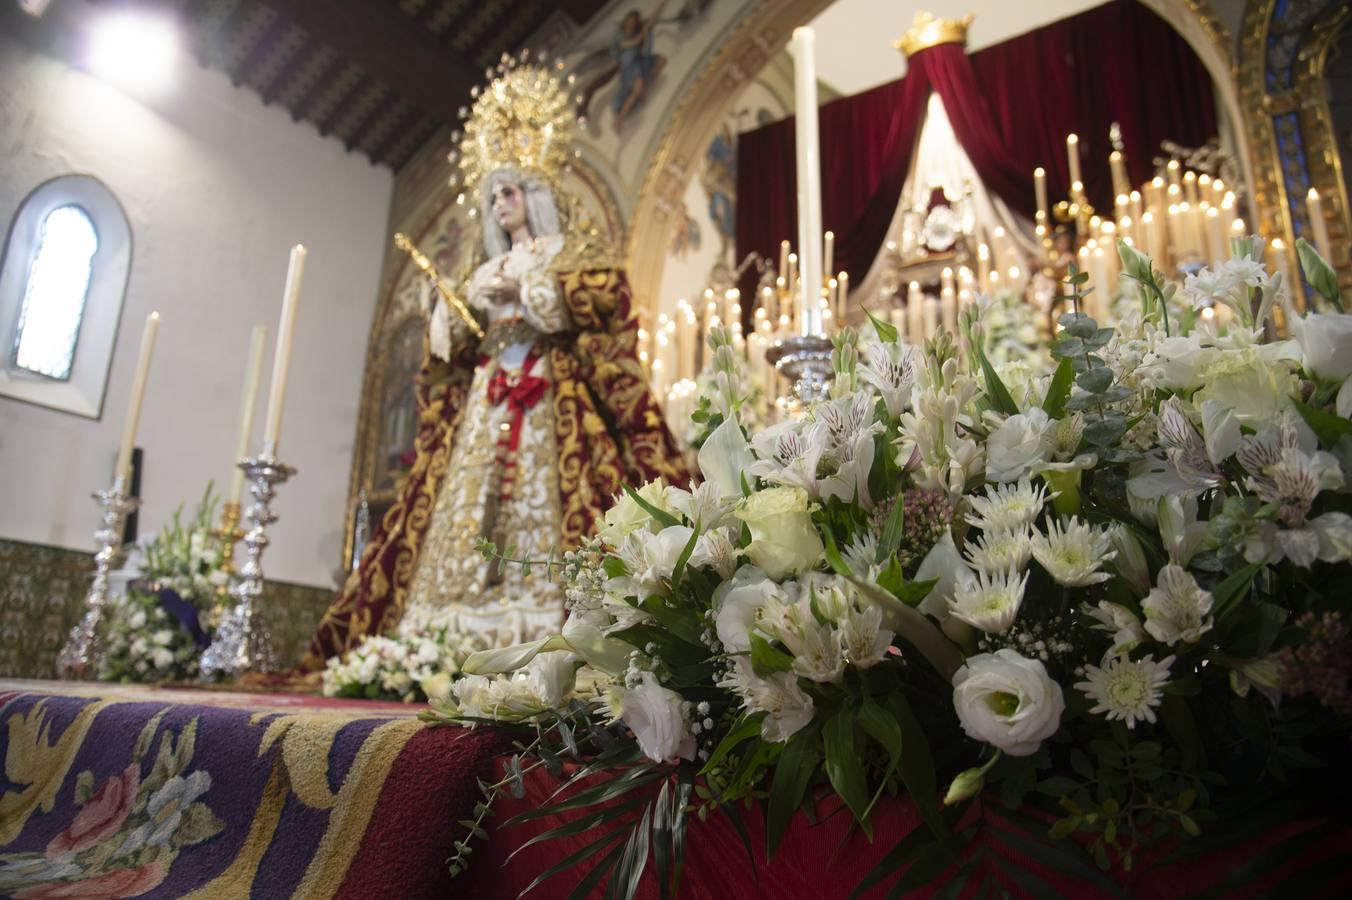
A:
[281,359]
[1073,157]
[809,178]
[138,392]
[1315,206]
[248,402]
[1040,186]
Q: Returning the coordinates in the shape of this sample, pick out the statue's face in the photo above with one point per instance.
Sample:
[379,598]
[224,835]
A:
[509,205]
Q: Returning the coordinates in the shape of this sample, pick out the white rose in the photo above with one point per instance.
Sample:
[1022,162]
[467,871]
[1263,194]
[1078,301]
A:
[655,715]
[783,538]
[1021,446]
[1008,701]
[626,516]
[1177,362]
[737,604]
[1325,344]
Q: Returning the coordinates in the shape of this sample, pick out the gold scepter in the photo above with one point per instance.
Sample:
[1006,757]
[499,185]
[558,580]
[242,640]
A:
[425,266]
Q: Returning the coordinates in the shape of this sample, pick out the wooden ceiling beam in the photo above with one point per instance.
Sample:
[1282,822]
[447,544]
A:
[390,48]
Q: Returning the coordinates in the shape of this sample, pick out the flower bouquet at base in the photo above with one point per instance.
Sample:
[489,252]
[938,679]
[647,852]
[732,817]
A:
[157,630]
[1110,602]
[406,668]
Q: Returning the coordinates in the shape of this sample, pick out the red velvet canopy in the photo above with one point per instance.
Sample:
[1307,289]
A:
[1011,106]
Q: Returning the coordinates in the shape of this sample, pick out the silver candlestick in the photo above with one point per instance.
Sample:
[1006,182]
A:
[80,656]
[806,360]
[243,642]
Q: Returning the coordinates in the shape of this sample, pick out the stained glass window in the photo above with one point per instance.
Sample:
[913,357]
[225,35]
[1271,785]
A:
[55,295]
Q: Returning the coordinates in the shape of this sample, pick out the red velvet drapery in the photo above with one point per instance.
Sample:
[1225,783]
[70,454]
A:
[1011,106]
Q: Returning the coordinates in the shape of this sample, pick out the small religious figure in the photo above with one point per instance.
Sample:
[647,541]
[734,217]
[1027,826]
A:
[526,434]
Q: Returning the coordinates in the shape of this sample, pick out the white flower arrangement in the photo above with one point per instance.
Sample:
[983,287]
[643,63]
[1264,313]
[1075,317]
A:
[406,668]
[156,631]
[1064,592]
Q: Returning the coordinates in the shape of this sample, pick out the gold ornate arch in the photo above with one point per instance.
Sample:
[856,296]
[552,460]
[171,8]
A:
[761,33]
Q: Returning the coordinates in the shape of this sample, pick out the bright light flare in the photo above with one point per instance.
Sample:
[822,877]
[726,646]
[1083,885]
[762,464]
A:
[134,51]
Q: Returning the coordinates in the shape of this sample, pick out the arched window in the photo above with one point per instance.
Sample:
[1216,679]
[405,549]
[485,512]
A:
[54,298]
[62,282]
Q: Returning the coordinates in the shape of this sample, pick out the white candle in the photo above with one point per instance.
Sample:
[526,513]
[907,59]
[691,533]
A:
[1216,241]
[809,178]
[948,310]
[1040,185]
[1118,164]
[915,315]
[784,262]
[983,267]
[248,402]
[1318,226]
[138,391]
[829,251]
[1073,157]
[842,296]
[282,357]
[931,316]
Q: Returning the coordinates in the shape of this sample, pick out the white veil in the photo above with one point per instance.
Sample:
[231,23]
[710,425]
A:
[542,215]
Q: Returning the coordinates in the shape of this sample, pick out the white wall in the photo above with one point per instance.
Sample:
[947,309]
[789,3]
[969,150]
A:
[854,37]
[217,187]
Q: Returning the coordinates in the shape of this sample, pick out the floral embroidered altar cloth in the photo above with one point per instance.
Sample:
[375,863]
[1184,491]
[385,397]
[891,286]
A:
[111,791]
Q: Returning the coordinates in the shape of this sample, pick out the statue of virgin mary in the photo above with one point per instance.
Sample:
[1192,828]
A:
[524,435]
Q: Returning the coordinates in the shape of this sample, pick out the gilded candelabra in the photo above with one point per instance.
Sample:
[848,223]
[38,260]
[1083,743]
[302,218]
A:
[229,534]
[80,656]
[243,642]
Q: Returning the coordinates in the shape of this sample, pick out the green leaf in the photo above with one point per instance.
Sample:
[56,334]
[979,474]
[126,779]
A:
[887,332]
[916,767]
[746,728]
[614,567]
[689,548]
[1057,785]
[1232,590]
[766,659]
[894,531]
[845,766]
[884,729]
[679,622]
[1329,427]
[1059,857]
[999,396]
[624,882]
[1319,273]
[608,790]
[583,823]
[833,557]
[1054,403]
[574,858]
[605,864]
[660,515]
[1095,381]
[797,764]
[893,580]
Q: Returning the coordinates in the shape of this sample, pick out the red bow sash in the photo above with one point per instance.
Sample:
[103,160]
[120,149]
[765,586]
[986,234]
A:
[520,392]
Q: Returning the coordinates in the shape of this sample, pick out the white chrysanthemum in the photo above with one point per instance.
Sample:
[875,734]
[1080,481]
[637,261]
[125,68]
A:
[991,602]
[1007,507]
[1000,550]
[1127,690]
[1176,610]
[1072,552]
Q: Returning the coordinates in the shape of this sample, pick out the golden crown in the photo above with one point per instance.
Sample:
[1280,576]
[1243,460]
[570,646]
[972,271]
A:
[928,30]
[523,120]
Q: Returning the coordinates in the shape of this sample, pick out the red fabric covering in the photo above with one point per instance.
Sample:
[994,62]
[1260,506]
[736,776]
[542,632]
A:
[435,775]
[1011,106]
[827,860]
